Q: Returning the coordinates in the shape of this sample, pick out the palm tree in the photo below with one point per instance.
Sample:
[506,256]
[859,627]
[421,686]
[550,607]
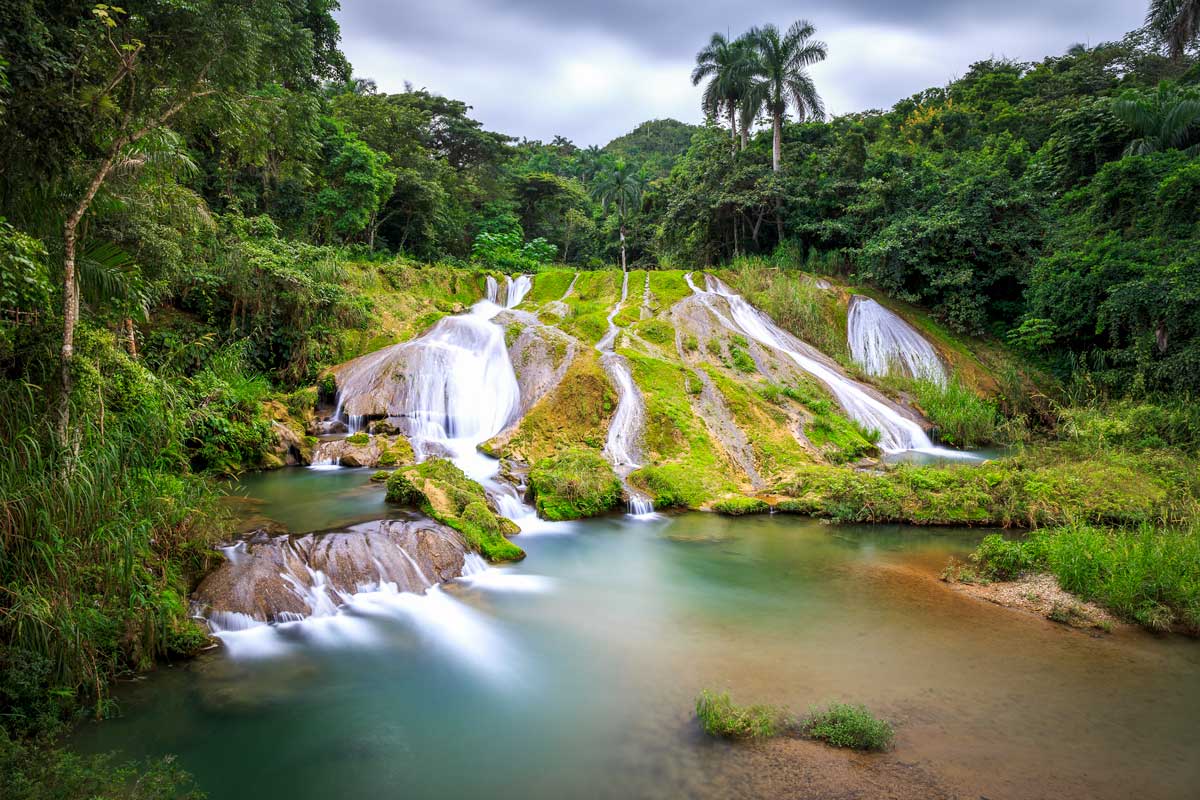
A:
[1177,21]
[1167,119]
[782,77]
[620,186]
[729,67]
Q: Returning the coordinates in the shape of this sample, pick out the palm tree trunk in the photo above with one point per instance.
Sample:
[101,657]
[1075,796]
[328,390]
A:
[777,142]
[745,137]
[733,126]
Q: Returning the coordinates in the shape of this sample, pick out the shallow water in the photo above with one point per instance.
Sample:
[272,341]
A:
[573,674]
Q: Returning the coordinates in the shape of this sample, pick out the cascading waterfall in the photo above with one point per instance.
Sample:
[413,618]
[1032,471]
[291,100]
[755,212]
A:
[897,433]
[513,292]
[570,288]
[879,340]
[620,446]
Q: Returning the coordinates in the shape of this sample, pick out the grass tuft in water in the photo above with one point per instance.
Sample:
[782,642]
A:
[720,717]
[851,726]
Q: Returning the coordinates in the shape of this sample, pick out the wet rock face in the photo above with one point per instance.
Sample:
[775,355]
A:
[274,578]
[378,451]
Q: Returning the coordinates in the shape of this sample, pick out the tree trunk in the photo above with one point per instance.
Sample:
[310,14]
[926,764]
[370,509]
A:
[70,316]
[777,142]
[130,337]
[733,126]
[624,266]
[745,137]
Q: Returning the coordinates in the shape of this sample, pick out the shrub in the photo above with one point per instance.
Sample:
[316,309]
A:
[573,485]
[401,490]
[720,717]
[358,439]
[740,506]
[741,360]
[844,725]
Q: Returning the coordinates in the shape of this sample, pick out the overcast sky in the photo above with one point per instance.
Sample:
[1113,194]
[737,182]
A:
[592,71]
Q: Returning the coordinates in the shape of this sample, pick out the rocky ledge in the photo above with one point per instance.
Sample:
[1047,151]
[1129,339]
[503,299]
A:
[276,578]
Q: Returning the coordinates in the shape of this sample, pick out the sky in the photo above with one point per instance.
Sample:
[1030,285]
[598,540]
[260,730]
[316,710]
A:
[593,71]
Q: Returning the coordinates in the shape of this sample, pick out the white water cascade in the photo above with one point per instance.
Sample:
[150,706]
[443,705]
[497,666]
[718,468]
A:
[512,293]
[879,340]
[897,433]
[620,446]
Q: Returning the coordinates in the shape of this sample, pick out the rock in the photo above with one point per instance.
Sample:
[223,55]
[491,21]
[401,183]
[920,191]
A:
[383,427]
[273,578]
[376,451]
[328,426]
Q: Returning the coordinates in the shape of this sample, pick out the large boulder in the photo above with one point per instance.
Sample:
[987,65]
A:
[276,578]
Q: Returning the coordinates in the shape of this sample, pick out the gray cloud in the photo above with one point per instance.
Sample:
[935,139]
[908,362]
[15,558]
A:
[591,71]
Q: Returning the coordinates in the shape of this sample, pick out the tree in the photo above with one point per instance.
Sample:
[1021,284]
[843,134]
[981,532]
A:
[619,186]
[782,78]
[1166,119]
[729,67]
[1177,21]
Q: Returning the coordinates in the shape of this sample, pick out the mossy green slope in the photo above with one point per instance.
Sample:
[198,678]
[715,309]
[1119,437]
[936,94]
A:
[573,485]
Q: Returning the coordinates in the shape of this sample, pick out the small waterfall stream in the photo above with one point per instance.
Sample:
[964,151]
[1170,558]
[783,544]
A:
[511,293]
[880,340]
[625,429]
[897,433]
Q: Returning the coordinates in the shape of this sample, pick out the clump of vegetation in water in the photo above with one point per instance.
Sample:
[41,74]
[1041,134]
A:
[573,485]
[741,506]
[720,717]
[1147,574]
[850,726]
[443,491]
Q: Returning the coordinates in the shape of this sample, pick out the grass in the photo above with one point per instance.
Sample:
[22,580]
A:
[850,726]
[1148,574]
[573,485]
[549,285]
[741,506]
[1054,485]
[962,418]
[721,718]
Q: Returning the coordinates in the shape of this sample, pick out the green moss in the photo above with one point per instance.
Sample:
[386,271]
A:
[741,506]
[668,287]
[1051,486]
[574,485]
[574,415]
[380,476]
[685,468]
[549,285]
[358,439]
[656,330]
[741,360]
[767,427]
[443,491]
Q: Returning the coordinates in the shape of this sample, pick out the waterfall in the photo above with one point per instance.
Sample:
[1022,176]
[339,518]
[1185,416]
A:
[570,288]
[625,429]
[879,340]
[646,312]
[513,292]
[897,433]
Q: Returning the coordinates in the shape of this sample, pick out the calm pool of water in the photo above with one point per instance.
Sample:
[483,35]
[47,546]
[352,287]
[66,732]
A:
[574,673]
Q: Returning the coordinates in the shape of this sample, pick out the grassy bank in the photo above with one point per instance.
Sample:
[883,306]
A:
[1146,574]
[573,485]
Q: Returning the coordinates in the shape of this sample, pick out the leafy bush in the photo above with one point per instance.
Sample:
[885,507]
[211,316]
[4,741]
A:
[574,484]
[720,717]
[1003,559]
[844,725]
[740,506]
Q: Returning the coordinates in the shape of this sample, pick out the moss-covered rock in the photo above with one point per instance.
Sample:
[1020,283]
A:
[573,485]
[444,492]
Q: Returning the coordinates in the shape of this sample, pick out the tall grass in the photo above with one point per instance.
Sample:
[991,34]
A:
[97,541]
[962,417]
[720,717]
[1148,574]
